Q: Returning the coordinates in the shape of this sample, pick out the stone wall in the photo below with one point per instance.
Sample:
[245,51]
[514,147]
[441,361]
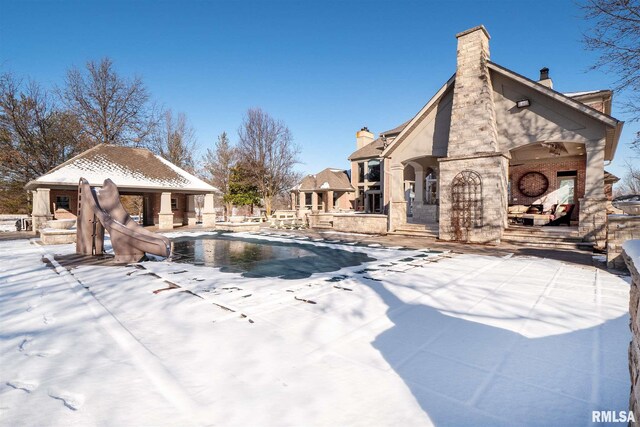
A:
[633,263]
[492,169]
[425,214]
[620,228]
[350,223]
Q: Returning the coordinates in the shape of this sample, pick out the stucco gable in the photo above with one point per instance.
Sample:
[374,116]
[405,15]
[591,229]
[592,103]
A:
[418,118]
[552,116]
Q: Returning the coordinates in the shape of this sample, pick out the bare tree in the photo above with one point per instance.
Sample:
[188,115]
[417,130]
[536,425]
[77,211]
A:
[35,136]
[111,108]
[218,166]
[630,183]
[174,140]
[268,153]
[615,34]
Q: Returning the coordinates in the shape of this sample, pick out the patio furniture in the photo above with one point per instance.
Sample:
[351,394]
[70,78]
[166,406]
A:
[515,213]
[562,215]
[535,219]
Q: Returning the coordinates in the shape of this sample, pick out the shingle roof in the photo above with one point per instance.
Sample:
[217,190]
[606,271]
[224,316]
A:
[395,130]
[373,149]
[328,179]
[127,167]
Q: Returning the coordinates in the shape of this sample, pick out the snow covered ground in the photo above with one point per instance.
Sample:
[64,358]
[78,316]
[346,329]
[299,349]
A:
[405,340]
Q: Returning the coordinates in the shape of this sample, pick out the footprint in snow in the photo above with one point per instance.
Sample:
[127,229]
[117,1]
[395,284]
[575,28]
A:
[48,319]
[25,385]
[25,347]
[72,401]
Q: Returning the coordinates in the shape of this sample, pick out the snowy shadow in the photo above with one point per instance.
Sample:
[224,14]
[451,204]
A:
[466,373]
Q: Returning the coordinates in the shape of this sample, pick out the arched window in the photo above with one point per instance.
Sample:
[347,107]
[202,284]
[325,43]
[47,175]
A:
[466,207]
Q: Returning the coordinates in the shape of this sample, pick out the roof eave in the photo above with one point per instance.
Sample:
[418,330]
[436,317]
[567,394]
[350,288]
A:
[577,105]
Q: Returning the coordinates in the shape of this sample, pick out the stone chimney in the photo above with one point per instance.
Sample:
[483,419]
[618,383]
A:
[545,80]
[473,126]
[363,137]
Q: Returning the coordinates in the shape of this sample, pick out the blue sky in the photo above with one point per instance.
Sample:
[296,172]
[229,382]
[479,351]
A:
[325,68]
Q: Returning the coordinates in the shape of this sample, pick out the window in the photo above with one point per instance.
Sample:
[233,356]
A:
[361,172]
[567,187]
[62,202]
[174,204]
[336,196]
[307,200]
[374,170]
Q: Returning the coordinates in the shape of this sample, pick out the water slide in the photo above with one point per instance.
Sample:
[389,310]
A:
[100,209]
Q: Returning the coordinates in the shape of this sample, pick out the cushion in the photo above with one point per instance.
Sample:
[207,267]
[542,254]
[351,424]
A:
[517,209]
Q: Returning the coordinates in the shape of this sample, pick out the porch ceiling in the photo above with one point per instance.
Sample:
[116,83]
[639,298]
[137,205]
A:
[542,151]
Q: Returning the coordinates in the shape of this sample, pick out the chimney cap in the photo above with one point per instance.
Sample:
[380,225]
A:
[364,128]
[474,29]
[544,73]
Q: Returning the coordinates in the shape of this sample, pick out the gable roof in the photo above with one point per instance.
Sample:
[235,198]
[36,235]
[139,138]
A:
[372,149]
[396,130]
[327,179]
[129,168]
[612,137]
[411,124]
[569,99]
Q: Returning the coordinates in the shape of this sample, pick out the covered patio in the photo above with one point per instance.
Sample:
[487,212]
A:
[168,194]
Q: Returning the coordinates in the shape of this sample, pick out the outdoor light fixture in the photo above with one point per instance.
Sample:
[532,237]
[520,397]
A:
[523,103]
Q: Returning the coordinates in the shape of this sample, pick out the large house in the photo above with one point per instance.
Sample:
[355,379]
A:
[488,139]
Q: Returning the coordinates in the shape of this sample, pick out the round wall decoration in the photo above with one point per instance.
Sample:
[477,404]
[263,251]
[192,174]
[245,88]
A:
[533,184]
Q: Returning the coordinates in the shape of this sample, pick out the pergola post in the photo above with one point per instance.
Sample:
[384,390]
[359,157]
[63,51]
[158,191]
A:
[592,221]
[398,203]
[302,200]
[165,216]
[191,210]
[329,205]
[208,212]
[41,212]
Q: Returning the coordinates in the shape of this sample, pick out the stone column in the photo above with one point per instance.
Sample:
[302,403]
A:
[191,211]
[397,204]
[419,183]
[41,212]
[329,206]
[302,200]
[165,216]
[592,220]
[208,212]
[314,202]
[293,201]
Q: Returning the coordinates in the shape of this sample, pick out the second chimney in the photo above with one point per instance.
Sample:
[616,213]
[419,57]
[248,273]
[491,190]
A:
[545,80]
[363,137]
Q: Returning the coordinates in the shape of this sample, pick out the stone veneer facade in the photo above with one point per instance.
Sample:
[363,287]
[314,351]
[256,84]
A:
[473,143]
[620,228]
[634,345]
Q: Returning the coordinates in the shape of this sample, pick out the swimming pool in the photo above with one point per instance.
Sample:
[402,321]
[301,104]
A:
[263,258]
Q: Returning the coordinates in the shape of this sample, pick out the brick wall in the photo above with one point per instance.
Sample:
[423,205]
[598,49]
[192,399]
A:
[550,169]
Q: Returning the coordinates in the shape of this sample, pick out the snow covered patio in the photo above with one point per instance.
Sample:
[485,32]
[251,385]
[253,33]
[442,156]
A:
[408,339]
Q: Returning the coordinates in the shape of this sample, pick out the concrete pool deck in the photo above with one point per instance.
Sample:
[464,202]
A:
[461,339]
